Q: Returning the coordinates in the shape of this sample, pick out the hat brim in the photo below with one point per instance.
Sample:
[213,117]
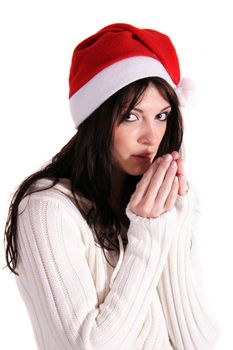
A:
[110,80]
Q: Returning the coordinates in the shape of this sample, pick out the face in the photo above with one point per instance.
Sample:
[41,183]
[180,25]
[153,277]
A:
[136,140]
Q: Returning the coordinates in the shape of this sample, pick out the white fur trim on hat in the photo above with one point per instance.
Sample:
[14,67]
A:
[110,80]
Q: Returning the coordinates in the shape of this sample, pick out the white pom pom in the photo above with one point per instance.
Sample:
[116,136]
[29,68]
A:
[186,92]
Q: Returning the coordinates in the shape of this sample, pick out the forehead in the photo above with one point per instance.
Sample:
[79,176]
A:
[152,96]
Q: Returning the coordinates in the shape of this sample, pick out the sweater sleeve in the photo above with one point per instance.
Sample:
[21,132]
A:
[189,317]
[57,279]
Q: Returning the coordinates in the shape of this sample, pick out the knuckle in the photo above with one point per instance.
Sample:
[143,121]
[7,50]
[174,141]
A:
[171,201]
[169,207]
[144,213]
[156,213]
[142,209]
[169,204]
[133,204]
[133,199]
[173,195]
[162,188]
[144,181]
[145,209]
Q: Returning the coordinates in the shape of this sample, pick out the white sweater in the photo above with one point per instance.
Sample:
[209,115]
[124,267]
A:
[153,299]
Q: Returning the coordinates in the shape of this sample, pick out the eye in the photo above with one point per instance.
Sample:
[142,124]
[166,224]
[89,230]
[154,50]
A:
[163,116]
[130,117]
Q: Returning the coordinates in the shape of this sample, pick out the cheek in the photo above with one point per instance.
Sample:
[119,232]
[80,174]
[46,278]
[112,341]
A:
[121,139]
[162,131]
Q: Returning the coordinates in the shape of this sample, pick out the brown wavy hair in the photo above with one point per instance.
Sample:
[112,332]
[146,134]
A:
[86,161]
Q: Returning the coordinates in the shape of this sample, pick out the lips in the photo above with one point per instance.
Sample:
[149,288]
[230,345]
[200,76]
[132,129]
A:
[143,156]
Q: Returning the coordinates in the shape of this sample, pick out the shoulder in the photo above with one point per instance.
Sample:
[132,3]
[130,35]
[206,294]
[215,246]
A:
[43,190]
[52,211]
[43,193]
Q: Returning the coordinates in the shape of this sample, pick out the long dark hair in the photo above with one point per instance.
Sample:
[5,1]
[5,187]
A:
[86,161]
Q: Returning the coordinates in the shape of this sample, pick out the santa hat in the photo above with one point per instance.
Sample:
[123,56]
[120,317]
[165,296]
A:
[116,56]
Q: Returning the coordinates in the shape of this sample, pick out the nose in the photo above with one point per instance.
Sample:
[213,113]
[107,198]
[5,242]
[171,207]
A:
[149,134]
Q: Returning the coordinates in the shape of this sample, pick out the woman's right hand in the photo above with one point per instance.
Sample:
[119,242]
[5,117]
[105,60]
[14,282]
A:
[157,191]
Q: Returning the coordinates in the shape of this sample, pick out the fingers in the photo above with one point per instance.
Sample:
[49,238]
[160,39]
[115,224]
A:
[179,161]
[158,177]
[171,199]
[161,183]
[180,166]
[157,191]
[151,195]
[175,155]
[142,185]
[167,193]
[183,185]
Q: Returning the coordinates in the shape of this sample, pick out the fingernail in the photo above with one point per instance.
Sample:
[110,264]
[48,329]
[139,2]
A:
[158,160]
[167,157]
[173,164]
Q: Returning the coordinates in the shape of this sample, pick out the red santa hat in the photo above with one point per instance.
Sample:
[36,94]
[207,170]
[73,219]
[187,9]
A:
[116,56]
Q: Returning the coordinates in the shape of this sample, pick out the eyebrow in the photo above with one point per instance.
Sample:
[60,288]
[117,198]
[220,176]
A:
[141,111]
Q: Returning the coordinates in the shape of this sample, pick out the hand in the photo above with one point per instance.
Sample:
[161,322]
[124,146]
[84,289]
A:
[183,184]
[157,191]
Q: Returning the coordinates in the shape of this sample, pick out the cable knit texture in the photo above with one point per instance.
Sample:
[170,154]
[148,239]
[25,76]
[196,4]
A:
[152,299]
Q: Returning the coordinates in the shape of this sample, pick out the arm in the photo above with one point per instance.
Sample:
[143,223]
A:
[59,286]
[190,323]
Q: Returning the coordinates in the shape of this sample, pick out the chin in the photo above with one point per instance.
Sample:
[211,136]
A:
[138,171]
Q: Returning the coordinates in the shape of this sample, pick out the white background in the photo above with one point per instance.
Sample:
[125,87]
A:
[37,40]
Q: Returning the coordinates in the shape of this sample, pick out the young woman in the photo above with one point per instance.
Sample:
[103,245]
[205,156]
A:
[103,239]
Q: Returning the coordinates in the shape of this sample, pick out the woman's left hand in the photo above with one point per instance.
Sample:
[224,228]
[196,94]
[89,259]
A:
[183,184]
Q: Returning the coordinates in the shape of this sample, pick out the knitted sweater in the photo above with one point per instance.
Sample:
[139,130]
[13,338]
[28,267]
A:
[151,300]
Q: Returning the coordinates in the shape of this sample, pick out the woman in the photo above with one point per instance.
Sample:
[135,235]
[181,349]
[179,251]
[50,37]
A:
[103,239]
